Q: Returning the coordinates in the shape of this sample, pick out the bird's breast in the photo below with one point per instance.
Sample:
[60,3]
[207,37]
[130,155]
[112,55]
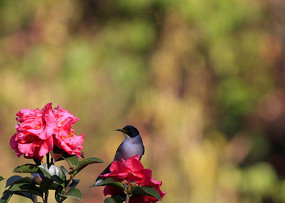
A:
[130,149]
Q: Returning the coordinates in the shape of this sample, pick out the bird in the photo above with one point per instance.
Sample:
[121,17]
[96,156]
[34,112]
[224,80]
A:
[131,146]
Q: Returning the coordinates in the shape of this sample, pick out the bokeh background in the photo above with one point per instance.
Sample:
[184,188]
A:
[203,81]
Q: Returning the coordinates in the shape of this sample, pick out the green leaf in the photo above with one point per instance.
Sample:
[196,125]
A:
[82,164]
[46,184]
[109,181]
[1,178]
[58,193]
[74,183]
[18,179]
[72,161]
[12,179]
[145,190]
[6,196]
[26,168]
[64,170]
[114,199]
[53,172]
[54,186]
[26,187]
[109,200]
[73,193]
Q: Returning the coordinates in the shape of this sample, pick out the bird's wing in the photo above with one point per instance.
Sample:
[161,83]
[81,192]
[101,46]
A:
[119,153]
[142,152]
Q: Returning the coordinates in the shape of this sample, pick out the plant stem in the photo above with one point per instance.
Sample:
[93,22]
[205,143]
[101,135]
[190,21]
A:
[127,198]
[48,159]
[35,199]
[45,197]
[67,186]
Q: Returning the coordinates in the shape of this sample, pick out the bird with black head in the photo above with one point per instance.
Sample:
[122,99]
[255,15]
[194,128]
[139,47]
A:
[131,146]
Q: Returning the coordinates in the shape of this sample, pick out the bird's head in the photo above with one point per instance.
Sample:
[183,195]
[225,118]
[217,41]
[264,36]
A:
[129,130]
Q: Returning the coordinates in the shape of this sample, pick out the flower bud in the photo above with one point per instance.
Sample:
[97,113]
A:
[37,178]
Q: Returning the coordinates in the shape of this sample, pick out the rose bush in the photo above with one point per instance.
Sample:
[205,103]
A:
[132,172]
[40,130]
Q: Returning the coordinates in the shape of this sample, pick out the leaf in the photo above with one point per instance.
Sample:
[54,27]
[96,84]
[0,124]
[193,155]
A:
[1,178]
[72,161]
[74,183]
[6,196]
[20,186]
[54,186]
[26,168]
[109,200]
[82,164]
[73,193]
[12,179]
[25,187]
[109,181]
[114,199]
[18,179]
[53,172]
[58,193]
[46,184]
[145,190]
[64,170]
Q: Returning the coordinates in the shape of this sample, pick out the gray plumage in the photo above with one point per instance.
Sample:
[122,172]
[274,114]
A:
[131,146]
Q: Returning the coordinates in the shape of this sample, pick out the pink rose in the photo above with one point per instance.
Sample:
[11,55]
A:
[65,137]
[39,130]
[130,171]
[34,133]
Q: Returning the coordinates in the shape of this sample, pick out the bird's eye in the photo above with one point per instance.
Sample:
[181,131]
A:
[127,130]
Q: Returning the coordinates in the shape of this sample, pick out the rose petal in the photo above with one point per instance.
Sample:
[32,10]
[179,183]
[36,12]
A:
[14,145]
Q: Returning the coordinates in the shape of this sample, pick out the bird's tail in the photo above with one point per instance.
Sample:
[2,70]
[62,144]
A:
[106,170]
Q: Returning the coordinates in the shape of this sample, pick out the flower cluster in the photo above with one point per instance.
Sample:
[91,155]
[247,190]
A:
[40,130]
[131,171]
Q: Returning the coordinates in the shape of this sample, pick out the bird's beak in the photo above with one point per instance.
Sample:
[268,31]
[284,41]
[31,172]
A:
[120,130]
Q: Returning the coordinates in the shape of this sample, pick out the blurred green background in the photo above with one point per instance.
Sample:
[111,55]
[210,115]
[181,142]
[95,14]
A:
[203,81]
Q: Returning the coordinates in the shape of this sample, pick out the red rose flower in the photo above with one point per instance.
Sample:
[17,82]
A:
[39,130]
[132,170]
